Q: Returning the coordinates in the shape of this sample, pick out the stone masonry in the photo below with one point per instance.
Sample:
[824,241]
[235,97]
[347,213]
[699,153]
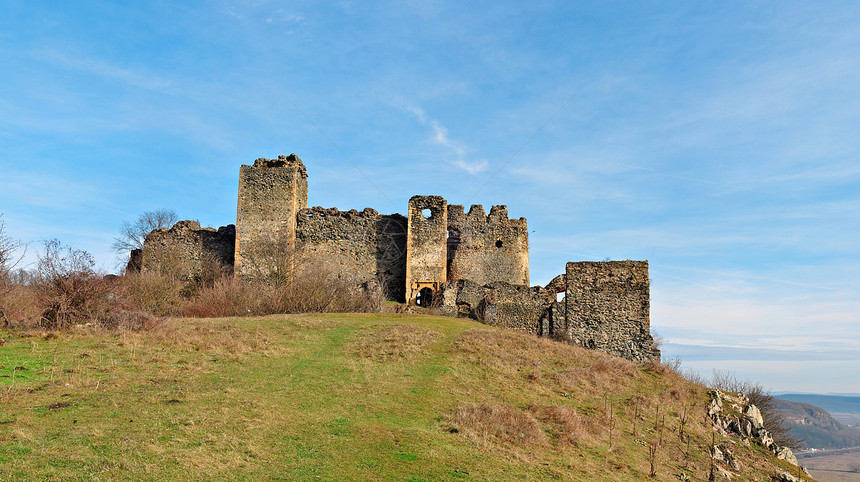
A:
[437,257]
[607,306]
[271,193]
[426,257]
[487,248]
[364,245]
[187,250]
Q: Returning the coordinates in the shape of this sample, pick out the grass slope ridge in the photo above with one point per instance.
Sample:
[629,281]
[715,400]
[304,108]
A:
[345,397]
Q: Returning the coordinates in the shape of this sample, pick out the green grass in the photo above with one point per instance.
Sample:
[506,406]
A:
[337,397]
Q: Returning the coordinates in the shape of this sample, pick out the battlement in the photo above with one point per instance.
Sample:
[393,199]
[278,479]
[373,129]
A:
[486,248]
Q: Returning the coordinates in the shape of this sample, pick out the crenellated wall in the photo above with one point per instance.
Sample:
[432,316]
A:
[439,256]
[487,248]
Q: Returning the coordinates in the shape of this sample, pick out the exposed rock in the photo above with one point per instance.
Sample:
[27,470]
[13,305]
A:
[753,414]
[785,453]
[786,477]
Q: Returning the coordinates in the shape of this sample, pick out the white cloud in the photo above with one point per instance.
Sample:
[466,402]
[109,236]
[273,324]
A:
[104,69]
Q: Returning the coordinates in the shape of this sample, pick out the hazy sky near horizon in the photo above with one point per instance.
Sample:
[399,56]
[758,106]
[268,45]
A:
[718,140]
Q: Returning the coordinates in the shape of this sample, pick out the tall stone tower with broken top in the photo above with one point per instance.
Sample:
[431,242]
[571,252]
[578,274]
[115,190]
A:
[271,194]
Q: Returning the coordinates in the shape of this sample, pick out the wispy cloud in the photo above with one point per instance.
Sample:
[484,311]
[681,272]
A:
[102,68]
[458,152]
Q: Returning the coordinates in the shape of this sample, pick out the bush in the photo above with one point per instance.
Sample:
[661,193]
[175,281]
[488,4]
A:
[67,288]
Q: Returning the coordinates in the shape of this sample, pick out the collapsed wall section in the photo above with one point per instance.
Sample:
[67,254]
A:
[498,304]
[426,258]
[360,245]
[186,250]
[271,193]
[485,248]
[607,308]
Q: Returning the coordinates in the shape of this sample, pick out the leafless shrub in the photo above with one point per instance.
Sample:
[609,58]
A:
[67,287]
[11,253]
[133,233]
[274,260]
[155,292]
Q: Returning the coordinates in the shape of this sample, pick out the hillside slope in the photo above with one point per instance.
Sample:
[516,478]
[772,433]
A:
[816,427]
[346,397]
[844,408]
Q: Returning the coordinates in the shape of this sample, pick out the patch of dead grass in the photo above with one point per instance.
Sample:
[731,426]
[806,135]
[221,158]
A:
[395,342]
[497,423]
[196,335]
[566,425]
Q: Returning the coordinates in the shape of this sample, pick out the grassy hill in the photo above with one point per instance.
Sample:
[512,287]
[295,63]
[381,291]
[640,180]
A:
[344,397]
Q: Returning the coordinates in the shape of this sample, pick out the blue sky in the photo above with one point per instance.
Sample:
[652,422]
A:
[718,140]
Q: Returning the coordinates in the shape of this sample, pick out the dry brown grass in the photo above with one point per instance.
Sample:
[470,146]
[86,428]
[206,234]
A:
[199,335]
[496,423]
[395,342]
[566,425]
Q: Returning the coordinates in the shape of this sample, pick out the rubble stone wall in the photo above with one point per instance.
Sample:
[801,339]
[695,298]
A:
[271,193]
[498,304]
[187,249]
[607,308]
[362,245]
[426,258]
[485,248]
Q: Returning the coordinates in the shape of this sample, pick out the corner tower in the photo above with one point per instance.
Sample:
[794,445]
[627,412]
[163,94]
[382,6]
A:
[271,193]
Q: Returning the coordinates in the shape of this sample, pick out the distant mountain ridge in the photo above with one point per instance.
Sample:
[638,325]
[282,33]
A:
[831,403]
[816,426]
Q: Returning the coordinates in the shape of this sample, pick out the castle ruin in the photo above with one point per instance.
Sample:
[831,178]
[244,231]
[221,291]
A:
[468,264]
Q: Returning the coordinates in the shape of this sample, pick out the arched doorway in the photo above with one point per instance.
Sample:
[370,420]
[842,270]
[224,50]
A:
[424,298]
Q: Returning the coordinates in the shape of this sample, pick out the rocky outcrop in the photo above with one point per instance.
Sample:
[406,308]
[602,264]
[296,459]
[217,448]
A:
[733,415]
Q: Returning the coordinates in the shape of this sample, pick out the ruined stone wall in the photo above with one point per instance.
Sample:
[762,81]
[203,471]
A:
[607,308]
[271,193]
[499,304]
[426,258]
[485,248]
[361,245]
[187,250]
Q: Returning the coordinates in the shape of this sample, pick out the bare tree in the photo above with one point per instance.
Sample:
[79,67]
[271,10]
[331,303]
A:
[9,253]
[132,234]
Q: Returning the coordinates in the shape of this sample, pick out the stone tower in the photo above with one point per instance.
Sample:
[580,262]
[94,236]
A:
[271,193]
[426,257]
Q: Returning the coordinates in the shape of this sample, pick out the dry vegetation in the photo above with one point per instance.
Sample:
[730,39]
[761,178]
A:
[65,290]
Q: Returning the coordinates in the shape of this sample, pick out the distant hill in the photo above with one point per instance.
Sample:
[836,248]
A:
[844,408]
[816,426]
